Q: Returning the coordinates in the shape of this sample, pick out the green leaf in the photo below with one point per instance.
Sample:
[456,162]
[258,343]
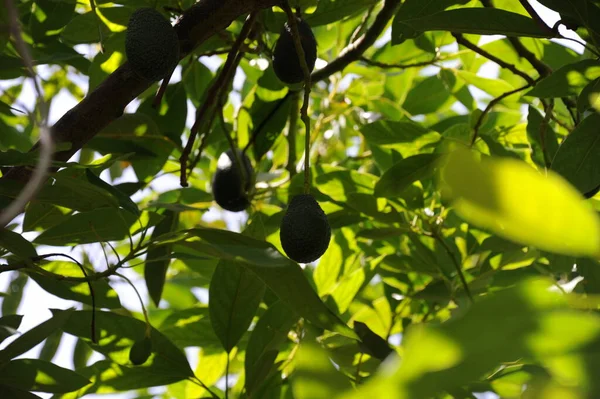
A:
[69,190]
[567,81]
[542,137]
[577,159]
[16,244]
[51,346]
[41,215]
[267,338]
[268,122]
[481,21]
[158,257]
[41,375]
[84,28]
[329,11]
[124,200]
[516,202]
[104,295]
[428,96]
[282,275]
[104,224]
[116,335]
[15,393]
[412,9]
[234,296]
[314,375]
[50,16]
[589,97]
[460,351]
[33,337]
[395,180]
[9,325]
[389,132]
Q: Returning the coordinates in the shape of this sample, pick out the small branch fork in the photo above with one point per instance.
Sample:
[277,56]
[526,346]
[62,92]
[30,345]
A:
[307,86]
[213,95]
[46,143]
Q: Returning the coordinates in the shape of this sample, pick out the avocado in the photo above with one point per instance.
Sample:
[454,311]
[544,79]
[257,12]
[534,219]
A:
[305,230]
[151,44]
[286,63]
[140,351]
[229,191]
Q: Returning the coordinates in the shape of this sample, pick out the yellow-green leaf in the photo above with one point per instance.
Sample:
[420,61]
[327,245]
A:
[515,201]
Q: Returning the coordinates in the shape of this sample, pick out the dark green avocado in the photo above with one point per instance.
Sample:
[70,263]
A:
[285,59]
[140,351]
[151,44]
[305,230]
[229,191]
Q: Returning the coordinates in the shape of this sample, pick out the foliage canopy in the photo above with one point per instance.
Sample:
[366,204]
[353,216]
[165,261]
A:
[458,173]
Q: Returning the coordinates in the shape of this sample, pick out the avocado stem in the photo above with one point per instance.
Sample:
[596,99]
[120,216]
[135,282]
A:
[293,23]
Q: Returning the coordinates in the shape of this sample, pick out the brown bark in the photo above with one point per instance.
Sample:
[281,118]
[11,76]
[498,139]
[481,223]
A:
[107,101]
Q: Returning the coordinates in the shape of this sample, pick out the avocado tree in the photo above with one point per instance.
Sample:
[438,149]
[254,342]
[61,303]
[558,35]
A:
[309,199]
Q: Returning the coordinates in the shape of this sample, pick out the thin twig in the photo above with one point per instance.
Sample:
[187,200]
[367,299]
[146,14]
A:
[137,293]
[457,265]
[291,135]
[89,283]
[384,65]
[535,16]
[213,96]
[363,25]
[46,144]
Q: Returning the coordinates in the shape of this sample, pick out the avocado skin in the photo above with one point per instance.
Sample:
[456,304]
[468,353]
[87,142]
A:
[285,59]
[140,351]
[305,230]
[227,182]
[151,44]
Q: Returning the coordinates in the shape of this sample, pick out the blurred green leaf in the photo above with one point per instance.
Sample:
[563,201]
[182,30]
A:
[516,202]
[314,376]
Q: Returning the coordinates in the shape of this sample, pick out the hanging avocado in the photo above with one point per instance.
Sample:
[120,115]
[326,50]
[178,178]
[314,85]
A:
[305,230]
[151,44]
[228,187]
[285,59]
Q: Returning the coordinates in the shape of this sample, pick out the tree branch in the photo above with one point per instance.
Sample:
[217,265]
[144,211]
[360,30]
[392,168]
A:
[354,51]
[107,102]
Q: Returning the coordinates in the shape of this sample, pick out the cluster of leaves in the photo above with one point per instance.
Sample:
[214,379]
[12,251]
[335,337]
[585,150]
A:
[468,267]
